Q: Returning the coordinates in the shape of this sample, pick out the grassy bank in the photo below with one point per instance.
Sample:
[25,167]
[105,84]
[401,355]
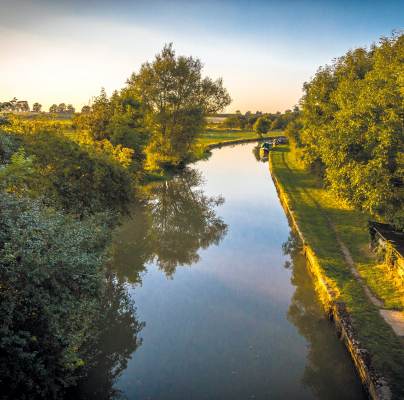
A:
[321,218]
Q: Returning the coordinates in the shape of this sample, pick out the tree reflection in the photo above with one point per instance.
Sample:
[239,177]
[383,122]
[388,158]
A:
[256,152]
[328,373]
[169,228]
[183,221]
[133,245]
[177,220]
[113,340]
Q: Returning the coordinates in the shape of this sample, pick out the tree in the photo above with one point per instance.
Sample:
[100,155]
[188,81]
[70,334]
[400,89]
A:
[97,120]
[70,109]
[61,108]
[176,100]
[13,104]
[36,107]
[22,106]
[126,126]
[353,129]
[232,121]
[53,108]
[85,109]
[261,126]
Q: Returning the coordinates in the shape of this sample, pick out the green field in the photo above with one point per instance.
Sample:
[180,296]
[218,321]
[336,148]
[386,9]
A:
[321,217]
[213,136]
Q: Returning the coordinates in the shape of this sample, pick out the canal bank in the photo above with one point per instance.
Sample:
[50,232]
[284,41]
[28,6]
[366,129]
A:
[376,351]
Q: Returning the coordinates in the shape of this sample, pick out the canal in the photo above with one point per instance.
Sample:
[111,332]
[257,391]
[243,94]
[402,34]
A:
[222,306]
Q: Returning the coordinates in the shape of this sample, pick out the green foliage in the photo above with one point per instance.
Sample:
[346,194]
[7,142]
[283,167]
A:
[97,118]
[75,179]
[18,174]
[50,281]
[126,126]
[75,174]
[54,301]
[352,113]
[120,120]
[276,121]
[261,125]
[37,124]
[8,146]
[70,109]
[36,107]
[177,100]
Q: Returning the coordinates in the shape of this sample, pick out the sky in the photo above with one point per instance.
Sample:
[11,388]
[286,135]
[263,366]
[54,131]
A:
[54,51]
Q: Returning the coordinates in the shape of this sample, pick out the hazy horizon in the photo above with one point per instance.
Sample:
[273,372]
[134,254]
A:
[65,51]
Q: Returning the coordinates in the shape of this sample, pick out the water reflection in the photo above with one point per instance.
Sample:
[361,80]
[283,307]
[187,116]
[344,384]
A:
[256,152]
[326,380]
[169,228]
[237,326]
[114,338]
[175,222]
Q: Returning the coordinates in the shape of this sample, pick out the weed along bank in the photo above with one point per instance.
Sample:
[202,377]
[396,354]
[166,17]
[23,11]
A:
[359,312]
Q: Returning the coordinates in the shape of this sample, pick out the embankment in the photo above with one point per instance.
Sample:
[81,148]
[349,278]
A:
[329,291]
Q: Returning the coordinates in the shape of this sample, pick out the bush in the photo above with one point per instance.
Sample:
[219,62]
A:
[51,283]
[74,179]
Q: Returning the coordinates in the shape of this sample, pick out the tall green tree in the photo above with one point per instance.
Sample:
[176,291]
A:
[70,109]
[261,126]
[62,108]
[36,107]
[352,113]
[177,99]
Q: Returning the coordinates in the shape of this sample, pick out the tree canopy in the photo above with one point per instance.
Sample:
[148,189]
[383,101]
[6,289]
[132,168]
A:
[352,116]
[261,125]
[176,99]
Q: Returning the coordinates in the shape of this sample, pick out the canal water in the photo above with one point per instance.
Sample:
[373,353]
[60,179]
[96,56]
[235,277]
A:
[221,303]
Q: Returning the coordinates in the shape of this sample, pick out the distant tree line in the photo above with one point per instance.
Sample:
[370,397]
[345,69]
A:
[267,121]
[16,105]
[351,128]
[62,108]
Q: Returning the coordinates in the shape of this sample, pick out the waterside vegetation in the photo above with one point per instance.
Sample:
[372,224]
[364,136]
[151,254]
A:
[344,166]
[64,183]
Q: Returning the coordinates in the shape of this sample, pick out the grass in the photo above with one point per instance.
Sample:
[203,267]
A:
[214,136]
[321,217]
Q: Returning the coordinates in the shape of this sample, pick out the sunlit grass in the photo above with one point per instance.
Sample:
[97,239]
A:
[217,135]
[318,213]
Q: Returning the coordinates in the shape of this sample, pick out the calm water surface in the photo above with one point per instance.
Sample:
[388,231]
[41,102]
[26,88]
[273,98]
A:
[225,308]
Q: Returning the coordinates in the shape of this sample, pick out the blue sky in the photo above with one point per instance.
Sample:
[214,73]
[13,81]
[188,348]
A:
[54,51]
